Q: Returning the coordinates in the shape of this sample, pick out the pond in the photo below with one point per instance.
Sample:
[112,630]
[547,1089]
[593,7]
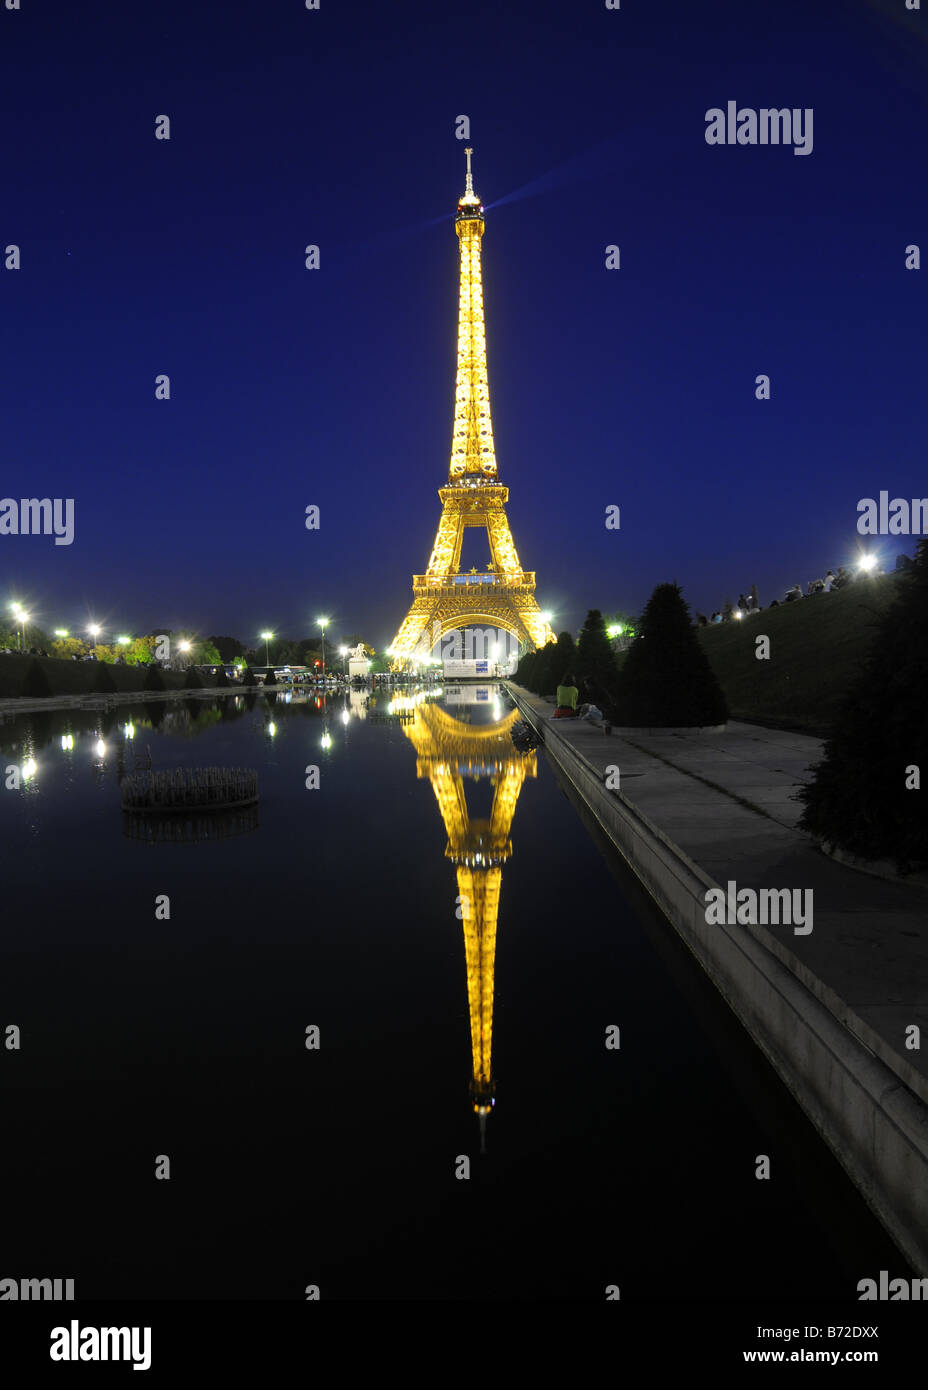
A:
[425,903]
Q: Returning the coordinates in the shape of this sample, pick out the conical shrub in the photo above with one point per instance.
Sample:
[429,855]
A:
[865,795]
[35,681]
[666,679]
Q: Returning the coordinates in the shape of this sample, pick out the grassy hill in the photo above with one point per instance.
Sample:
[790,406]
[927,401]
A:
[816,646]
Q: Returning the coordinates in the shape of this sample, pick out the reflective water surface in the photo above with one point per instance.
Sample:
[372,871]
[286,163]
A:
[433,903]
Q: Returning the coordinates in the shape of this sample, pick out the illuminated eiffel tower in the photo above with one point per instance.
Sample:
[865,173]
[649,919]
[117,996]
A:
[447,752]
[443,598]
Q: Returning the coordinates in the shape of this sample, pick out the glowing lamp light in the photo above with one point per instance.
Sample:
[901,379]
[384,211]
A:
[67,742]
[326,740]
[93,629]
[737,613]
[61,632]
[129,730]
[124,641]
[345,716]
[100,748]
[866,563]
[272,728]
[29,769]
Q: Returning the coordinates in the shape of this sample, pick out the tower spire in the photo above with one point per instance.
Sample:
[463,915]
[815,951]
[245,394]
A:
[469,182]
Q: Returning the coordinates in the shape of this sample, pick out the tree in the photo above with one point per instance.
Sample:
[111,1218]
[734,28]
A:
[154,680]
[594,664]
[205,654]
[102,682]
[140,651]
[563,658]
[67,647]
[666,679]
[228,648]
[249,677]
[863,795]
[221,679]
[35,681]
[525,669]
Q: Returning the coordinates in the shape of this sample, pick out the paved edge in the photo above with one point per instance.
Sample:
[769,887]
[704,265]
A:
[874,1123]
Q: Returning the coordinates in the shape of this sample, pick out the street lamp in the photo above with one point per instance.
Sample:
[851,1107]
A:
[343,653]
[94,630]
[61,632]
[124,641]
[267,652]
[323,623]
[184,647]
[20,615]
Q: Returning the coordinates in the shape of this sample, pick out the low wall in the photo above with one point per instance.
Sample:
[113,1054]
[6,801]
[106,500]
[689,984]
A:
[876,1126]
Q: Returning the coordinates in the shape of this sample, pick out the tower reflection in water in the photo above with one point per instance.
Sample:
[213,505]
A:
[450,750]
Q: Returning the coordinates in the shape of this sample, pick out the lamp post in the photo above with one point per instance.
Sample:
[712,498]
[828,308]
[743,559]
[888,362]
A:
[94,630]
[184,648]
[343,653]
[267,652]
[20,614]
[323,622]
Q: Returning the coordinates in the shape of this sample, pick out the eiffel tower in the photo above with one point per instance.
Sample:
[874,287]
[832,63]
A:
[504,596]
[447,751]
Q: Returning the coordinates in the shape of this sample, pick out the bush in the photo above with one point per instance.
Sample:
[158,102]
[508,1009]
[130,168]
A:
[562,658]
[525,669]
[249,677]
[594,665]
[102,683]
[35,682]
[154,680]
[666,679]
[193,679]
[858,797]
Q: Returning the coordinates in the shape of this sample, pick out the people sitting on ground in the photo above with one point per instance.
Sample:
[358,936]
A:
[792,594]
[566,700]
[815,586]
[843,578]
[742,604]
[716,617]
[828,582]
[591,712]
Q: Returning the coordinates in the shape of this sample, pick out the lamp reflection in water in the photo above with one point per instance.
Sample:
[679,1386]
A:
[448,751]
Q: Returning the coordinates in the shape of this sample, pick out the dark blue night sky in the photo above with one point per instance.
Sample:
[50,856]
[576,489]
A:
[335,387]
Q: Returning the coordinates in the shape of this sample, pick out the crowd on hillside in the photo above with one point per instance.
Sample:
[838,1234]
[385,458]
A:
[832,581]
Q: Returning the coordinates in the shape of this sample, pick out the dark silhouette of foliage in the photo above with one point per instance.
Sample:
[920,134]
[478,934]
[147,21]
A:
[102,683]
[154,679]
[35,681]
[594,665]
[666,680]
[858,798]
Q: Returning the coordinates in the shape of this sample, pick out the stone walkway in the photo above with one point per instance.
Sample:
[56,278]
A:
[726,800]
